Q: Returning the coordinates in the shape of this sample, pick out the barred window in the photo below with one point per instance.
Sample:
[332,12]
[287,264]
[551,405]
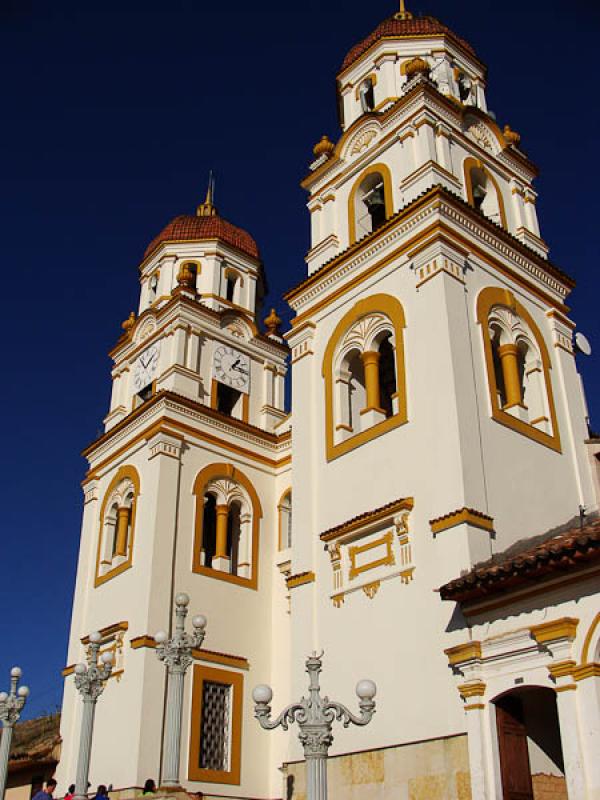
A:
[215,731]
[216,726]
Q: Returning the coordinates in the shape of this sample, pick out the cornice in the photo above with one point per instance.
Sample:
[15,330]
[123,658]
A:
[437,200]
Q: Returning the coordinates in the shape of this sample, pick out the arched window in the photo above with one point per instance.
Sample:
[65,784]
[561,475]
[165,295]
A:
[228,513]
[483,192]
[285,520]
[518,367]
[117,522]
[370,202]
[232,284]
[366,93]
[363,369]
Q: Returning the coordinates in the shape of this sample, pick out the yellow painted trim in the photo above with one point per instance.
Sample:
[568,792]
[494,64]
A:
[569,687]
[122,474]
[200,654]
[236,680]
[563,628]
[474,689]
[384,171]
[468,164]
[585,652]
[205,475]
[474,707]
[584,671]
[108,631]
[469,651]
[368,518]
[302,578]
[391,307]
[356,550]
[493,296]
[561,669]
[468,516]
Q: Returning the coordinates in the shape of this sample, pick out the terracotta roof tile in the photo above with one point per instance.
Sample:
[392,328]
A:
[392,27]
[192,228]
[404,503]
[528,562]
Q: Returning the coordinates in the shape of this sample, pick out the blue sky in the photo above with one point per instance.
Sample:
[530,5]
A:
[113,115]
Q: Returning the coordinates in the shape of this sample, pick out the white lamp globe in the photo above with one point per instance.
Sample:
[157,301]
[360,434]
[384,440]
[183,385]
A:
[182,599]
[199,621]
[366,689]
[16,672]
[23,691]
[160,637]
[3,697]
[80,669]
[95,637]
[106,658]
[262,694]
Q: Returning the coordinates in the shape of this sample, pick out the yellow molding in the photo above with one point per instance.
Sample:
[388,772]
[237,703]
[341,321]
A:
[468,516]
[474,707]
[461,653]
[585,651]
[584,671]
[390,307]
[471,163]
[386,560]
[473,689]
[563,628]
[293,581]
[488,298]
[569,687]
[123,473]
[108,631]
[561,669]
[211,656]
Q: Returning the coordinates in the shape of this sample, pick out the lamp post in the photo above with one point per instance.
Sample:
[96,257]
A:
[89,681]
[11,705]
[315,716]
[176,654]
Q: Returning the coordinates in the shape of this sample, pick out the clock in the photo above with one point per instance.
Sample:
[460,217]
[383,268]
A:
[231,368]
[145,367]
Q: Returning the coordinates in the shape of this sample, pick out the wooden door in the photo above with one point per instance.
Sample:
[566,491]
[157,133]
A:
[514,756]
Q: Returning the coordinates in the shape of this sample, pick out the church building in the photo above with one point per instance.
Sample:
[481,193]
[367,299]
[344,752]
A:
[426,514]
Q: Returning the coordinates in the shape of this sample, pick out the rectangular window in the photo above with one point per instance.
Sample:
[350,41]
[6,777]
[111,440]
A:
[216,726]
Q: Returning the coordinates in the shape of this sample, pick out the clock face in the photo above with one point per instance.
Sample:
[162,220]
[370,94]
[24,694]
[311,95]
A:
[232,368]
[146,367]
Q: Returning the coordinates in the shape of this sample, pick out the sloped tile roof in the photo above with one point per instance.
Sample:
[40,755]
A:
[192,228]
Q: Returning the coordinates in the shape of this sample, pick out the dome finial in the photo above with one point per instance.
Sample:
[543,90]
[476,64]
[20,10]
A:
[207,208]
[403,13]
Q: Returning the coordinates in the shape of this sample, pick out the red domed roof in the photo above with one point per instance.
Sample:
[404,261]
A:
[188,228]
[401,27]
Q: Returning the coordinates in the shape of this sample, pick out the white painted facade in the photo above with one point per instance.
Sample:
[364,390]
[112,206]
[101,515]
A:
[363,591]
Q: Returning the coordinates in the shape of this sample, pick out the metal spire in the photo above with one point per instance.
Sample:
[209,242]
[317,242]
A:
[403,13]
[207,208]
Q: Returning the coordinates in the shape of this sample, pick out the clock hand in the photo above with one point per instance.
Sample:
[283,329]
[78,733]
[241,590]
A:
[239,369]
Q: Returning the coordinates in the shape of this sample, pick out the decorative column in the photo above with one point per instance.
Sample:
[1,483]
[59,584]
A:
[11,705]
[510,371]
[472,694]
[315,716]
[221,559]
[122,528]
[176,654]
[370,360]
[89,681]
[588,694]
[566,702]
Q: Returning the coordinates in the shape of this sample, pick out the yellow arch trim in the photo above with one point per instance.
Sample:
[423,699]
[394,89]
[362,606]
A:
[130,472]
[391,307]
[468,165]
[212,472]
[496,296]
[284,494]
[588,639]
[384,171]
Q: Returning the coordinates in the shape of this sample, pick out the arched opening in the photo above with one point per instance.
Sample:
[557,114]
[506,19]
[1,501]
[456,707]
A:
[370,208]
[357,393]
[529,745]
[233,537]
[495,335]
[366,93]
[483,194]
[228,400]
[209,530]
[285,521]
[112,528]
[117,521]
[387,375]
[230,282]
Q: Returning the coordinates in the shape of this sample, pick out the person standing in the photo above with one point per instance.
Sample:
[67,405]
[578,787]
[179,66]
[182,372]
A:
[47,794]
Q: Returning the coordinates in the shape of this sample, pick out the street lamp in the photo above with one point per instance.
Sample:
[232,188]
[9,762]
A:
[315,716]
[176,654]
[90,679]
[11,705]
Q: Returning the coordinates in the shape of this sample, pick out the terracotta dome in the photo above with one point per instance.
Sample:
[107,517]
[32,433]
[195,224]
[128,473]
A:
[188,228]
[407,27]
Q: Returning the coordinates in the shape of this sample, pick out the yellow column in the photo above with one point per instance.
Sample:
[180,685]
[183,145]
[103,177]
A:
[370,359]
[221,544]
[122,529]
[510,370]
